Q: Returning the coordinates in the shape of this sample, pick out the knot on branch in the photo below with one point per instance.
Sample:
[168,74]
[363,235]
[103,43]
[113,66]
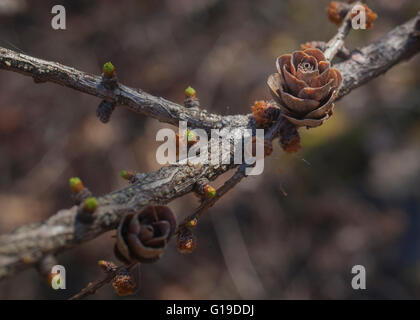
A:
[305,87]
[144,236]
[104,110]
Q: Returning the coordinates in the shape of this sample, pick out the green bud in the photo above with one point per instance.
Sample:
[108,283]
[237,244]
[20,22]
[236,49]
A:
[127,175]
[192,223]
[209,191]
[190,91]
[75,184]
[91,204]
[191,136]
[108,69]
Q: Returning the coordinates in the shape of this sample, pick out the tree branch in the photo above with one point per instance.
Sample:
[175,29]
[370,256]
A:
[135,99]
[27,245]
[337,42]
[365,64]
[272,133]
[92,287]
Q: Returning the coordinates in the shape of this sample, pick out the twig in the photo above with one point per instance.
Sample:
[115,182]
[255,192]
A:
[135,99]
[207,203]
[375,59]
[92,287]
[342,53]
[337,42]
[272,133]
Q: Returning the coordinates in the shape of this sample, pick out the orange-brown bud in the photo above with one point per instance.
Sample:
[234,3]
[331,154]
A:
[336,11]
[107,266]
[289,138]
[313,45]
[192,223]
[75,184]
[209,191]
[186,241]
[123,284]
[370,16]
[127,175]
[265,113]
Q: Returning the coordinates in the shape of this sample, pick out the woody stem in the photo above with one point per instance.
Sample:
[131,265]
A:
[271,134]
[92,287]
[337,42]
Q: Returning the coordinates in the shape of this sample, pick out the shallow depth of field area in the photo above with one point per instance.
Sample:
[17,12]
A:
[349,197]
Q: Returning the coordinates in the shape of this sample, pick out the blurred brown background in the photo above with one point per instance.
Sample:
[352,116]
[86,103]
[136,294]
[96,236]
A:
[352,192]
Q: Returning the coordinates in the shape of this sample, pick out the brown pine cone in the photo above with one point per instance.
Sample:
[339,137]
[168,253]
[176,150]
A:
[143,236]
[305,87]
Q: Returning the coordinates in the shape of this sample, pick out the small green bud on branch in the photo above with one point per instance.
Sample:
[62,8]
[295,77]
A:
[190,92]
[75,184]
[108,70]
[90,204]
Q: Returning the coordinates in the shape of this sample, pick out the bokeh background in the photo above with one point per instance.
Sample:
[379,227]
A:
[351,196]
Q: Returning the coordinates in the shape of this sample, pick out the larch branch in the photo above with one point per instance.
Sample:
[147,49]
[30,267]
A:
[27,245]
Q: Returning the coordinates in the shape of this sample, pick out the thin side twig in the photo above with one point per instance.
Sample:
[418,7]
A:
[337,42]
[342,53]
[136,100]
[272,133]
[92,287]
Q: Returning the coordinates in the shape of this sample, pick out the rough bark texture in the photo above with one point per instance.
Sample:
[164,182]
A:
[26,246]
[377,58]
[135,99]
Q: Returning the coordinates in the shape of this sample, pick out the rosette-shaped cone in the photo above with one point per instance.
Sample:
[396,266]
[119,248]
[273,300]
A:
[305,87]
[143,236]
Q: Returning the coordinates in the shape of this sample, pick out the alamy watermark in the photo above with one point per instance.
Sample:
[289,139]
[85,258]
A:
[359,19]
[58,277]
[59,20]
[359,280]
